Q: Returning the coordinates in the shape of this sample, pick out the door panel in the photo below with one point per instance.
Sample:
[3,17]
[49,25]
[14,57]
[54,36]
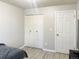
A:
[34,31]
[65,30]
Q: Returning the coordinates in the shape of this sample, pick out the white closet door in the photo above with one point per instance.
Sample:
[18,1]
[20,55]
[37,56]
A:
[65,30]
[34,31]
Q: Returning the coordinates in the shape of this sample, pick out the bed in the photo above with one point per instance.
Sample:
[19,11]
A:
[11,53]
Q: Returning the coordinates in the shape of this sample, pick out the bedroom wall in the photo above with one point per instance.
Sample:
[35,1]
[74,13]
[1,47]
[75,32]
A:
[78,10]
[46,10]
[11,25]
[49,27]
[78,24]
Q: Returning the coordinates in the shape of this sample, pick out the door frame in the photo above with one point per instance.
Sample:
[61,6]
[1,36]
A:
[41,40]
[76,32]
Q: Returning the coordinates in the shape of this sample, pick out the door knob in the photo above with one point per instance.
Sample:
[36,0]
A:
[30,31]
[57,34]
[36,30]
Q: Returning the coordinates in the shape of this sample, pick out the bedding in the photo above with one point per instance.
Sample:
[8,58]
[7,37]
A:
[11,53]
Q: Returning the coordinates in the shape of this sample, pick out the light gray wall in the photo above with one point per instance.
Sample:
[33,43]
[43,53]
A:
[49,35]
[11,25]
[46,10]
[78,25]
[78,35]
[49,26]
[78,10]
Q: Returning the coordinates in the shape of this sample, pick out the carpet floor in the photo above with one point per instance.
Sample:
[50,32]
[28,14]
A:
[35,53]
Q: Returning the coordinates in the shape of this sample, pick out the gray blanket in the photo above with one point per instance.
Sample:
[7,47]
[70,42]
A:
[11,53]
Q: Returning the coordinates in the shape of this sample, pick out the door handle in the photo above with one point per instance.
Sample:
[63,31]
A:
[57,34]
[30,31]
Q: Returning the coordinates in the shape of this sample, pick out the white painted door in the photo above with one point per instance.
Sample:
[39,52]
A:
[34,31]
[65,30]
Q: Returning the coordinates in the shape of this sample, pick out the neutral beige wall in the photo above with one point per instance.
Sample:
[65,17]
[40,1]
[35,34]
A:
[46,10]
[78,10]
[49,27]
[11,25]
[49,35]
[78,25]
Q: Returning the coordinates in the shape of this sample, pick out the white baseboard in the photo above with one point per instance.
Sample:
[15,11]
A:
[43,49]
[49,50]
[22,47]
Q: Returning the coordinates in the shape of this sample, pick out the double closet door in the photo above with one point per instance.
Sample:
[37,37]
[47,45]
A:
[65,30]
[34,31]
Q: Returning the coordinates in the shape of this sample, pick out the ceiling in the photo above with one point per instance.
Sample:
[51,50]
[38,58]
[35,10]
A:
[38,3]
